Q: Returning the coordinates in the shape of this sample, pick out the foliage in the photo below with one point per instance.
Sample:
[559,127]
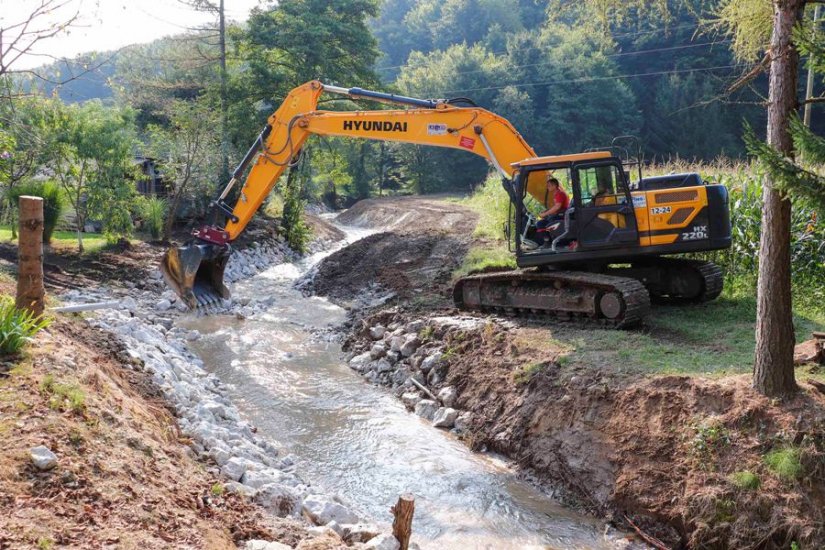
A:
[493,207]
[786,463]
[745,480]
[153,210]
[54,203]
[17,326]
[92,148]
[295,228]
[748,23]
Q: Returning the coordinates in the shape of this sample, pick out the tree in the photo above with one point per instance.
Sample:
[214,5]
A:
[93,161]
[188,151]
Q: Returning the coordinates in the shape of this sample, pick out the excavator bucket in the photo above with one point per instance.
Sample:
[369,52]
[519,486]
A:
[195,272]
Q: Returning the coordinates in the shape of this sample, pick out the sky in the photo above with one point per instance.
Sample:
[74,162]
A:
[110,24]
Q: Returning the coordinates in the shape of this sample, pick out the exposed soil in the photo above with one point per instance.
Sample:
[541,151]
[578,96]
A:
[423,241]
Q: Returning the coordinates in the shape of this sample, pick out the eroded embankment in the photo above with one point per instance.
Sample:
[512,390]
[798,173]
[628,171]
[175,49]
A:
[698,462]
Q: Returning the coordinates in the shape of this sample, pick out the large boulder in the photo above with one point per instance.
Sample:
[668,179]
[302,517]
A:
[265,545]
[234,469]
[445,417]
[383,542]
[426,408]
[256,480]
[447,396]
[360,362]
[322,509]
[430,361]
[279,499]
[359,532]
[377,332]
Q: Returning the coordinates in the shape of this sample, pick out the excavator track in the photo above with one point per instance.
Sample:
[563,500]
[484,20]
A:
[593,298]
[676,280]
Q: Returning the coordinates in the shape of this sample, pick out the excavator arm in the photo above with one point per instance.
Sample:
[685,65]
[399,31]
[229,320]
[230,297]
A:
[195,270]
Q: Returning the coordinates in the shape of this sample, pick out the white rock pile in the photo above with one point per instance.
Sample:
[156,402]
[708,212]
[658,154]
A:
[405,358]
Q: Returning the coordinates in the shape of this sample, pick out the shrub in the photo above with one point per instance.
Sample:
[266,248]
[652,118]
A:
[54,203]
[17,326]
[786,463]
[745,480]
[296,230]
[154,214]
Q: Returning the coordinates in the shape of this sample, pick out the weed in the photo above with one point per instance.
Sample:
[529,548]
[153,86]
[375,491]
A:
[796,546]
[525,373]
[449,353]
[63,397]
[725,510]
[709,438]
[76,438]
[785,463]
[745,480]
[17,326]
[45,543]
[217,489]
[426,333]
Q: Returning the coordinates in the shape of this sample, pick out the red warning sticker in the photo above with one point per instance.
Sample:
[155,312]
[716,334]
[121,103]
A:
[467,142]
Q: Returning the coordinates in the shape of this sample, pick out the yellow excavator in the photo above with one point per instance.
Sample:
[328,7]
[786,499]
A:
[602,262]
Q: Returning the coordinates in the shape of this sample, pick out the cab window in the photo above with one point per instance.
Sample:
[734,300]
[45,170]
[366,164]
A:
[601,186]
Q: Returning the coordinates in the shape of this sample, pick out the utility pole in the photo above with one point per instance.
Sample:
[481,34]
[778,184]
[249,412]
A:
[809,90]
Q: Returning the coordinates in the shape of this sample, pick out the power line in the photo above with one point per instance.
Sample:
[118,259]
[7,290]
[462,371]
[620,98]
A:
[618,54]
[593,79]
[639,33]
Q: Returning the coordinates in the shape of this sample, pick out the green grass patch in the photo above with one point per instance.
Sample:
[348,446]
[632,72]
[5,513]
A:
[63,397]
[745,480]
[492,205]
[217,489]
[65,240]
[785,463]
[484,258]
[525,373]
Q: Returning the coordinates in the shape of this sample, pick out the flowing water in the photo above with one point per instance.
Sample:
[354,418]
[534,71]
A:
[358,440]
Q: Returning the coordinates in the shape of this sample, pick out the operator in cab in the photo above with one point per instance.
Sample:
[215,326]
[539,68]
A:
[554,214]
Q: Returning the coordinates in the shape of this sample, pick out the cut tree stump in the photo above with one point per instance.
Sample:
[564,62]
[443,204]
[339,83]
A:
[402,524]
[30,291]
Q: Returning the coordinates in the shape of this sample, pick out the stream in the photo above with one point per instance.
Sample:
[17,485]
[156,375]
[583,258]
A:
[358,440]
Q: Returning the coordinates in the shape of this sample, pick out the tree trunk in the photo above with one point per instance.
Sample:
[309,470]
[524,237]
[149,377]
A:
[30,292]
[773,371]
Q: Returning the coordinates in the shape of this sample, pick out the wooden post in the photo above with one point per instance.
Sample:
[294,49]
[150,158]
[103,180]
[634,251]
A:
[30,291]
[402,524]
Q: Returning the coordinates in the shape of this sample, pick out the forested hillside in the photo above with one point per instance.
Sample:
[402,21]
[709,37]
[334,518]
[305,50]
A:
[570,76]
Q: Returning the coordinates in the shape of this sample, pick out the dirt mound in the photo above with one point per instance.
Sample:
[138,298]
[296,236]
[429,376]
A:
[408,265]
[411,215]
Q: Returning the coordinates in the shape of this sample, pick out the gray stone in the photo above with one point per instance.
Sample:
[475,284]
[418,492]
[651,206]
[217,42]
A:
[411,399]
[256,480]
[383,542]
[445,417]
[360,362]
[395,343]
[43,458]
[434,377]
[411,344]
[279,499]
[383,366]
[393,357]
[163,305]
[129,304]
[219,455]
[234,468]
[359,532]
[447,396]
[265,545]
[430,361]
[414,326]
[377,332]
[321,510]
[426,408]
[239,489]
[464,421]
[193,335]
[377,351]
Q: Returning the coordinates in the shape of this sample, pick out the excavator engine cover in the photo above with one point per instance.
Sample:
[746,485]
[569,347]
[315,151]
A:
[195,272]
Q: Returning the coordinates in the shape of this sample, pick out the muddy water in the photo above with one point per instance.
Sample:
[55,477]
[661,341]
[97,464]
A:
[358,440]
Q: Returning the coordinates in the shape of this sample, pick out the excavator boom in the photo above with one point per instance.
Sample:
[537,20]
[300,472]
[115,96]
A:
[195,270]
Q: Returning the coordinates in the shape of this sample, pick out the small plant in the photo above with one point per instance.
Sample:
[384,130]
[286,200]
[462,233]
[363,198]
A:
[54,203]
[154,215]
[426,333]
[63,397]
[45,543]
[709,438]
[76,438]
[218,489]
[745,480]
[796,546]
[17,326]
[524,374]
[725,510]
[786,463]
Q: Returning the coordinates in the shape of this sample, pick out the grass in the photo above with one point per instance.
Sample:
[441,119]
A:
[745,480]
[217,489]
[525,373]
[63,397]
[485,257]
[65,240]
[17,326]
[715,338]
[785,463]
